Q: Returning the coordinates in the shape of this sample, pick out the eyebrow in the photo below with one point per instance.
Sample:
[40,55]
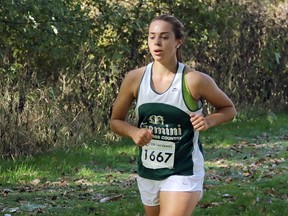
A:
[161,33]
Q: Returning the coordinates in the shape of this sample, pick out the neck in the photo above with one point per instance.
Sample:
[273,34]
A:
[165,68]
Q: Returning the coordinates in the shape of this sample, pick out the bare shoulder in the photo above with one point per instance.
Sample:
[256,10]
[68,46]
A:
[199,83]
[132,80]
[195,77]
[135,74]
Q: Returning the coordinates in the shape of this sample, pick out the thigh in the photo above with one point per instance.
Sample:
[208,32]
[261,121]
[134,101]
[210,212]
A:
[152,210]
[178,203]
[149,191]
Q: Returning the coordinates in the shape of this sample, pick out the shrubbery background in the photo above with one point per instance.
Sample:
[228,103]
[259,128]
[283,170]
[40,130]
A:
[61,63]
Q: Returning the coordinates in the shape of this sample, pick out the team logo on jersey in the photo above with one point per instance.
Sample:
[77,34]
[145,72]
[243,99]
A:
[156,120]
[161,130]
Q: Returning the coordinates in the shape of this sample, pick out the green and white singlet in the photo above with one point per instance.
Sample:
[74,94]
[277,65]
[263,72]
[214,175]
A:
[175,148]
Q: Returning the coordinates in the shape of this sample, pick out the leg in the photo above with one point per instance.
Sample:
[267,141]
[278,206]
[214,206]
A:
[152,210]
[177,203]
[149,191]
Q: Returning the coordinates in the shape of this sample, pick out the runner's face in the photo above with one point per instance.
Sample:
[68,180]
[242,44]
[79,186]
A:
[161,41]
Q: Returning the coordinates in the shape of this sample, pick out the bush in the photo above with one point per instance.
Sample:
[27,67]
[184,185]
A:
[62,62]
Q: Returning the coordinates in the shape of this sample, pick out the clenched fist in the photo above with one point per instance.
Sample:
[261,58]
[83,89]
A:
[199,122]
[142,136]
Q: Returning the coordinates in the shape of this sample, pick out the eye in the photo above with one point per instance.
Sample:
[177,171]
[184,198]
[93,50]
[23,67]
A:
[165,37]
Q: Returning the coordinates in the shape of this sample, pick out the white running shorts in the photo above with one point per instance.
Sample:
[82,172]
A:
[150,189]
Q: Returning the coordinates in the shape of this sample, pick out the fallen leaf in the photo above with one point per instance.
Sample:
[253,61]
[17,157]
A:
[228,179]
[210,205]
[35,182]
[270,191]
[111,198]
[6,192]
[207,187]
[246,174]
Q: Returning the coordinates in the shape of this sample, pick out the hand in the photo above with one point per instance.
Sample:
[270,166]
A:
[199,122]
[142,137]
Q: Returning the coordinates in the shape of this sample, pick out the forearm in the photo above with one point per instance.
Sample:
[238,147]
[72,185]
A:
[122,128]
[220,116]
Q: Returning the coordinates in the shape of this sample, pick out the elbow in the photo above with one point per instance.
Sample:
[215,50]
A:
[114,126]
[233,112]
[112,120]
[111,125]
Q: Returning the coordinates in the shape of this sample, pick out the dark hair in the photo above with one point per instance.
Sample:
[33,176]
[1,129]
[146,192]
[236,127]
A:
[177,29]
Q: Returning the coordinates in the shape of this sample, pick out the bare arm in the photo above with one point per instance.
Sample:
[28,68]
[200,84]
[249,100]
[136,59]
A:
[203,86]
[121,106]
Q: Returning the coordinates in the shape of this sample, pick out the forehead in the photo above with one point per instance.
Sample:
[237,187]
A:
[160,26]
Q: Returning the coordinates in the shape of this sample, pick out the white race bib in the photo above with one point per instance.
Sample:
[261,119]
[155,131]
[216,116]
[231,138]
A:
[158,154]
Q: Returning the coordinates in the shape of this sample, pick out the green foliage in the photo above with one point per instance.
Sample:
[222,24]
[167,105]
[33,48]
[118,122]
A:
[62,62]
[43,37]
[246,174]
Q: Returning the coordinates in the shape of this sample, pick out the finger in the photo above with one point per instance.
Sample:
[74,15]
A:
[201,126]
[198,126]
[146,138]
[195,117]
[142,143]
[149,134]
[198,121]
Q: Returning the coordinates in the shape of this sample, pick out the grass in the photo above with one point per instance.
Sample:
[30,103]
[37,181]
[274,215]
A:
[246,174]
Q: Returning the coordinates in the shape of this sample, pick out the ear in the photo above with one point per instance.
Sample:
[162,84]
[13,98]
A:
[179,44]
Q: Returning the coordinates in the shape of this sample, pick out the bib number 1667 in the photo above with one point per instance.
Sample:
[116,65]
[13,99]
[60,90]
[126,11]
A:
[158,156]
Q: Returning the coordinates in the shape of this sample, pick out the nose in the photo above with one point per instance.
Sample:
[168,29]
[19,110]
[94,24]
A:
[157,41]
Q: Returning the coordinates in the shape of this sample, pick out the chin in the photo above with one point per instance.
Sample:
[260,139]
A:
[158,58]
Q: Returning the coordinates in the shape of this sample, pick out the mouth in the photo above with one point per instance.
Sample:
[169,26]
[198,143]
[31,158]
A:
[157,52]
